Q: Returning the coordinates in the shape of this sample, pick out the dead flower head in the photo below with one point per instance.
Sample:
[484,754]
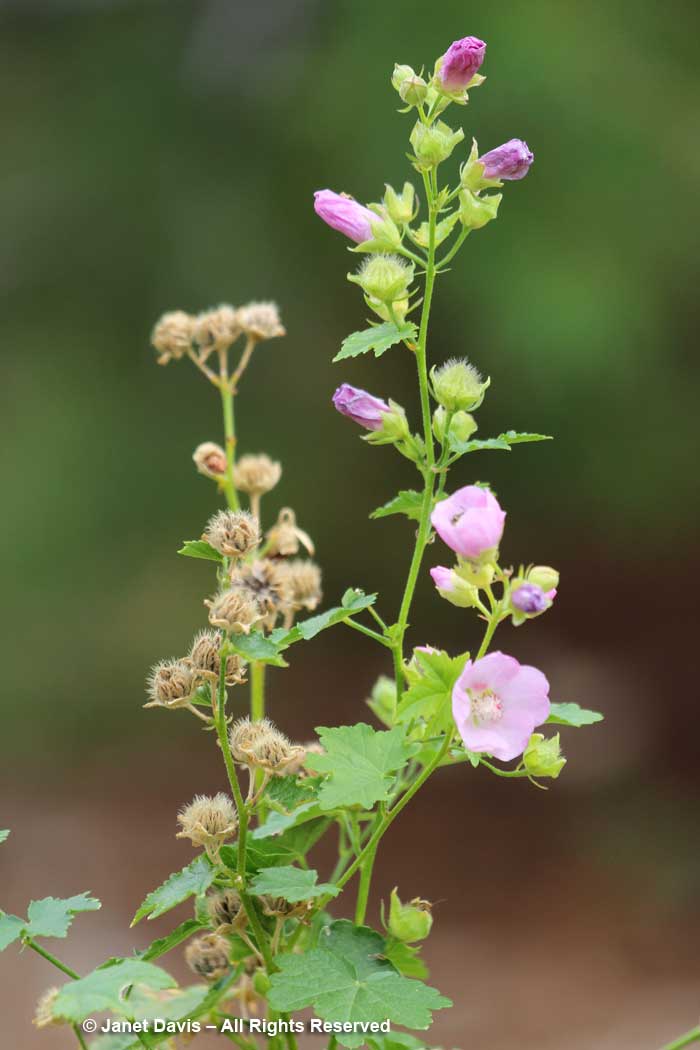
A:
[172,336]
[256,475]
[208,956]
[260,745]
[208,821]
[285,537]
[210,460]
[303,579]
[171,683]
[233,533]
[261,320]
[216,329]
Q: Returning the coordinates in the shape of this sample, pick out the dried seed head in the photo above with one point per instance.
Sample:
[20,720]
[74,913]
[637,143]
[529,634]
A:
[233,533]
[233,610]
[207,821]
[226,910]
[210,460]
[206,662]
[256,475]
[303,582]
[278,907]
[285,536]
[265,583]
[208,956]
[172,336]
[44,1016]
[260,745]
[171,684]
[261,320]
[217,329]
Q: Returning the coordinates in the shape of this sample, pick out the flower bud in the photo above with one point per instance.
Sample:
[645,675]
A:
[454,588]
[208,956]
[528,598]
[384,277]
[544,576]
[475,212]
[462,425]
[458,386]
[171,683]
[344,214]
[361,407]
[233,533]
[471,174]
[478,572]
[260,321]
[172,336]
[210,460]
[509,162]
[400,207]
[458,66]
[382,701]
[256,475]
[400,74]
[413,90]
[471,522]
[394,427]
[233,611]
[409,922]
[208,822]
[217,329]
[433,144]
[543,757]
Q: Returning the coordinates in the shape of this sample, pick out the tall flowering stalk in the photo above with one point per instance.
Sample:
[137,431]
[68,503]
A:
[262,935]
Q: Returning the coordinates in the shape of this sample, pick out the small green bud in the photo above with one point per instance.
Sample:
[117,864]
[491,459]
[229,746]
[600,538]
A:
[400,74]
[399,309]
[544,576]
[458,386]
[413,90]
[479,574]
[261,983]
[385,237]
[432,145]
[394,427]
[475,212]
[400,207]
[409,922]
[382,701]
[462,425]
[543,757]
[385,278]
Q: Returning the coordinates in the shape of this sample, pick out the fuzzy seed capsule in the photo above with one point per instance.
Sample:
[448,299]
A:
[171,683]
[285,537]
[233,533]
[210,460]
[260,745]
[172,336]
[208,956]
[256,475]
[217,329]
[303,580]
[208,821]
[261,320]
[264,583]
[226,911]
[233,611]
[206,661]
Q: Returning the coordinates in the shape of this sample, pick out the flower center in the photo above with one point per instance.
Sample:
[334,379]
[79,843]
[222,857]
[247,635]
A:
[485,707]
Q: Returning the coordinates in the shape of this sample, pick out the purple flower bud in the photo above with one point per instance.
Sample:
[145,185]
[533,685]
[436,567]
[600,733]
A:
[361,407]
[345,214]
[529,598]
[510,161]
[460,62]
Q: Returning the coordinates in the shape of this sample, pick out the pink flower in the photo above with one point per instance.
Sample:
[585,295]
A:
[361,407]
[497,703]
[343,213]
[470,521]
[460,62]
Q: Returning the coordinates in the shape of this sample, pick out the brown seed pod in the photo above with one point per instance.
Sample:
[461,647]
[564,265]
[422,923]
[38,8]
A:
[303,579]
[208,821]
[260,745]
[210,460]
[256,475]
[208,956]
[206,662]
[285,537]
[216,329]
[171,683]
[233,610]
[233,533]
[226,911]
[261,320]
[172,336]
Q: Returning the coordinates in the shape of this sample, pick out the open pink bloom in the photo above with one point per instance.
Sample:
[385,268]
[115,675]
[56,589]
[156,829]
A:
[470,521]
[460,62]
[497,703]
[345,215]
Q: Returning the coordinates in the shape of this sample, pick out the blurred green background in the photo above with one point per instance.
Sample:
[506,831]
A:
[164,155]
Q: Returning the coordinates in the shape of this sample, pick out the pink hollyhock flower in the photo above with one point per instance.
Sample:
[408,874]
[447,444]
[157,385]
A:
[470,521]
[509,162]
[497,703]
[460,62]
[361,407]
[345,214]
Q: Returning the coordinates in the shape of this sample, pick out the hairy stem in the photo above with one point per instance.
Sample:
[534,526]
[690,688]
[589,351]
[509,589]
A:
[222,735]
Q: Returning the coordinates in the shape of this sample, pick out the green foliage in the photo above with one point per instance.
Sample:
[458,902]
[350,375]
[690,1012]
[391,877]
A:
[408,502]
[406,958]
[4,835]
[200,549]
[52,917]
[193,880]
[166,944]
[503,442]
[429,695]
[353,601]
[103,988]
[395,1041]
[346,978]
[360,763]
[572,715]
[294,884]
[259,647]
[143,1005]
[10,930]
[379,338]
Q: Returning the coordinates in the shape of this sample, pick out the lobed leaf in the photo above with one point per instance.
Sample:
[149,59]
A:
[259,647]
[166,944]
[378,338]
[360,762]
[52,917]
[572,715]
[293,884]
[429,695]
[193,880]
[408,502]
[103,988]
[10,930]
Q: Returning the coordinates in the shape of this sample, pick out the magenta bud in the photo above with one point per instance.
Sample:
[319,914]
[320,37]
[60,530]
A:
[361,407]
[344,214]
[529,598]
[460,62]
[509,162]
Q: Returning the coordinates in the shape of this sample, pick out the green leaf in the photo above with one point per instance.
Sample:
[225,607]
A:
[429,695]
[378,338]
[395,1041]
[51,917]
[361,764]
[200,549]
[407,502]
[4,835]
[293,884]
[102,989]
[177,936]
[346,979]
[572,715]
[406,958]
[193,880]
[267,847]
[10,929]
[501,443]
[353,601]
[287,793]
[513,438]
[257,646]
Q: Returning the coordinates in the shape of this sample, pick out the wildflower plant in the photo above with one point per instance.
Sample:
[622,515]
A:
[262,938]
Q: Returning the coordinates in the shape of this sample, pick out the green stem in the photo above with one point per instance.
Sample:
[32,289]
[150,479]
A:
[257,691]
[363,888]
[79,1036]
[493,623]
[222,735]
[230,436]
[260,937]
[685,1040]
[51,959]
[454,249]
[374,635]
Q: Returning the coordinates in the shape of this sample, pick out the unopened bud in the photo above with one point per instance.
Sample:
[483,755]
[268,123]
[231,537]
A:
[409,922]
[400,74]
[544,576]
[400,207]
[543,757]
[413,90]
[454,588]
[394,427]
[382,701]
[385,278]
[433,144]
[478,573]
[457,386]
[462,425]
